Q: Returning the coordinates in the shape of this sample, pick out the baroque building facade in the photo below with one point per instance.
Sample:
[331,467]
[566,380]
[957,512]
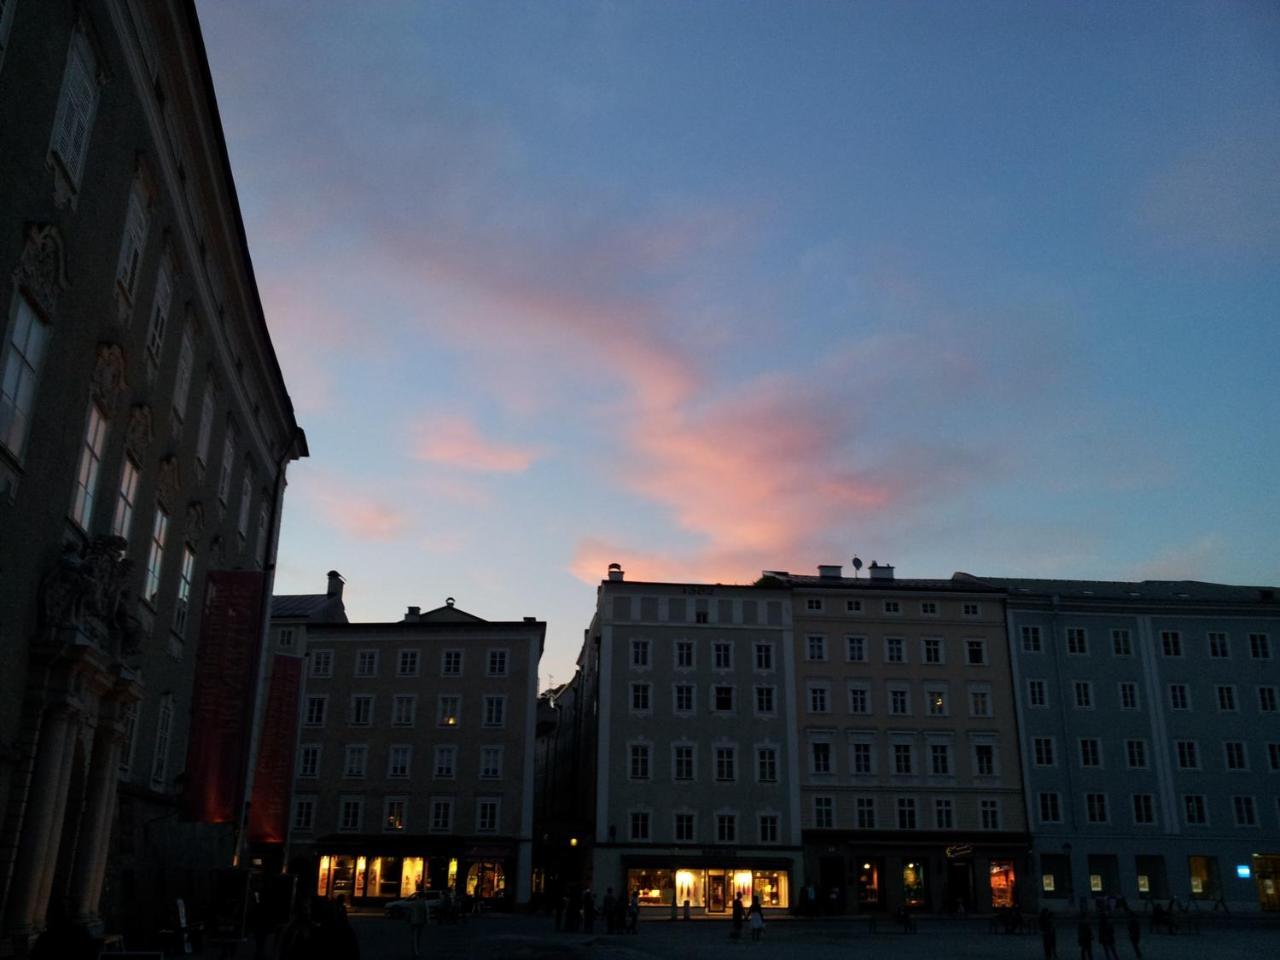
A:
[145,429]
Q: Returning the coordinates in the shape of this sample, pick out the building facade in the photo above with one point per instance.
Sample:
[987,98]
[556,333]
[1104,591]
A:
[415,759]
[1150,737]
[145,429]
[910,784]
[693,742]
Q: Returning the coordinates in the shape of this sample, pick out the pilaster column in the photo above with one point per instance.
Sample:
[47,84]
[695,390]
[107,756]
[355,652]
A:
[42,817]
[59,802]
[95,825]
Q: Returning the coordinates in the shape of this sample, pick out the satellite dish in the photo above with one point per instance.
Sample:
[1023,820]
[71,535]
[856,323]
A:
[857,565]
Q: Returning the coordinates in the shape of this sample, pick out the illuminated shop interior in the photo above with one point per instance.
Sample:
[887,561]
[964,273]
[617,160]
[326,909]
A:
[711,889]
[385,877]
[1002,883]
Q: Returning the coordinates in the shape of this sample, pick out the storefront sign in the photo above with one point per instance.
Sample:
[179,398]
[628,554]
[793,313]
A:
[269,812]
[959,850]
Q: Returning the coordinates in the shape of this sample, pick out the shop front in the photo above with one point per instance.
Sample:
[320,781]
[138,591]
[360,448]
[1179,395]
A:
[705,885]
[383,869]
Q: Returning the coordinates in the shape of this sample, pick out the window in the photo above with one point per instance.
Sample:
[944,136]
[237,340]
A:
[76,107]
[682,761]
[314,716]
[1037,695]
[495,710]
[394,812]
[164,727]
[1227,699]
[1178,697]
[309,760]
[186,365]
[976,652]
[894,650]
[725,757]
[285,637]
[407,666]
[862,764]
[726,828]
[1236,757]
[123,520]
[1267,699]
[246,503]
[1095,805]
[260,543]
[813,603]
[451,663]
[979,702]
[1050,808]
[928,608]
[449,710]
[722,656]
[824,813]
[640,654]
[322,663]
[764,700]
[902,759]
[684,654]
[1090,752]
[1128,695]
[204,434]
[989,812]
[816,647]
[1078,641]
[767,764]
[1171,643]
[361,710]
[366,663]
[1042,749]
[1136,753]
[700,616]
[639,761]
[971,609]
[1031,640]
[1121,644]
[160,312]
[1273,753]
[722,697]
[856,649]
[1197,812]
[892,606]
[155,554]
[227,466]
[95,438]
[764,656]
[404,709]
[399,758]
[497,663]
[1144,808]
[446,758]
[818,699]
[768,828]
[1246,814]
[185,575]
[820,756]
[936,701]
[441,815]
[899,704]
[906,813]
[684,827]
[1259,646]
[640,697]
[491,763]
[356,763]
[684,698]
[304,813]
[943,815]
[853,606]
[1084,694]
[984,760]
[931,650]
[639,825]
[1219,646]
[865,809]
[940,759]
[1188,755]
[859,699]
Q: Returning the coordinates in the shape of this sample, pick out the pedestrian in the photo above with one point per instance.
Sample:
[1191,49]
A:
[297,942]
[1084,937]
[633,912]
[1135,934]
[739,916]
[755,918]
[1107,937]
[336,938]
[588,910]
[1048,935]
[608,906]
[418,918]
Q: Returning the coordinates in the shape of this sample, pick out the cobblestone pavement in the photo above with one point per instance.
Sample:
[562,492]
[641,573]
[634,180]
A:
[534,938]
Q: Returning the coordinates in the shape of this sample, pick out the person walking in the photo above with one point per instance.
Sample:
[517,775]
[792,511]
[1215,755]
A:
[1084,937]
[419,915]
[633,912]
[739,916]
[755,918]
[1107,937]
[588,910]
[1048,935]
[609,906]
[1135,934]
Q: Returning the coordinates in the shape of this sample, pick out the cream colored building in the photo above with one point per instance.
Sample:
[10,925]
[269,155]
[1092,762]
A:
[909,775]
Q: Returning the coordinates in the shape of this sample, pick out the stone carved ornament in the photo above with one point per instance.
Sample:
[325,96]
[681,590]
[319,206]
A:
[41,271]
[138,436]
[168,482]
[86,591]
[108,381]
[195,521]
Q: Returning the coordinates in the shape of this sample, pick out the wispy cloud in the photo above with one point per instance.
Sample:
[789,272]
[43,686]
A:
[1195,560]
[360,516]
[455,442]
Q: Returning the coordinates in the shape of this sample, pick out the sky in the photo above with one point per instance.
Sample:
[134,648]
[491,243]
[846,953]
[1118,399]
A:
[708,288]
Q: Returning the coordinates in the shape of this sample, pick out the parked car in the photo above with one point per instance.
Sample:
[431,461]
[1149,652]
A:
[399,909]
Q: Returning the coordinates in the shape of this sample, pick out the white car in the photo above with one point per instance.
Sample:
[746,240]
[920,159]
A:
[399,909]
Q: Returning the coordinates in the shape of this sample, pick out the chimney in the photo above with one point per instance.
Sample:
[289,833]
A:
[881,571]
[615,572]
[414,615]
[830,571]
[335,584]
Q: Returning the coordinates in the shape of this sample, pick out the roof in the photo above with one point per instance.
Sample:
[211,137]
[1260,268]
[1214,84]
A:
[1166,591]
[308,606]
[449,614]
[970,585]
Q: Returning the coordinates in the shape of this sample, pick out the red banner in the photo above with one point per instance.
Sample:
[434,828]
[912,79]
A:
[222,700]
[269,811]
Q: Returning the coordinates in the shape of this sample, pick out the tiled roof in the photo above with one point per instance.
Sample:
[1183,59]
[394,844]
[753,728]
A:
[866,583]
[306,606]
[1149,590]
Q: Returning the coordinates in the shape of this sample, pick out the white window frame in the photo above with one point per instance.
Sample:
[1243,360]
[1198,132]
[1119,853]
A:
[155,554]
[122,521]
[77,109]
[92,447]
[22,362]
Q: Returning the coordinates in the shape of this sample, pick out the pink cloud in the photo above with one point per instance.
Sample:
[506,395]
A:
[455,442]
[1184,561]
[354,514]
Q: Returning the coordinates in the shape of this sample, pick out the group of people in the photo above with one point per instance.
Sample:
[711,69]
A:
[753,917]
[1106,936]
[576,911]
[319,930]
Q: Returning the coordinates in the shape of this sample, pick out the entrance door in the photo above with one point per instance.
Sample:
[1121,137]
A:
[716,893]
[831,872]
[1266,873]
[960,885]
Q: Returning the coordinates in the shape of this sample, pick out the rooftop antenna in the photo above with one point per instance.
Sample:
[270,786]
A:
[857,565]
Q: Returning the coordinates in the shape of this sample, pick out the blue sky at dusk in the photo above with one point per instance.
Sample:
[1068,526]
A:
[712,287]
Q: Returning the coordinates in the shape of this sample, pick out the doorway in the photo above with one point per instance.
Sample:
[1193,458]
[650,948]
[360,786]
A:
[960,885]
[716,891]
[1266,874]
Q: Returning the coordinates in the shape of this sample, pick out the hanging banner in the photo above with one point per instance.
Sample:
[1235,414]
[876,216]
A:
[222,698]
[269,808]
